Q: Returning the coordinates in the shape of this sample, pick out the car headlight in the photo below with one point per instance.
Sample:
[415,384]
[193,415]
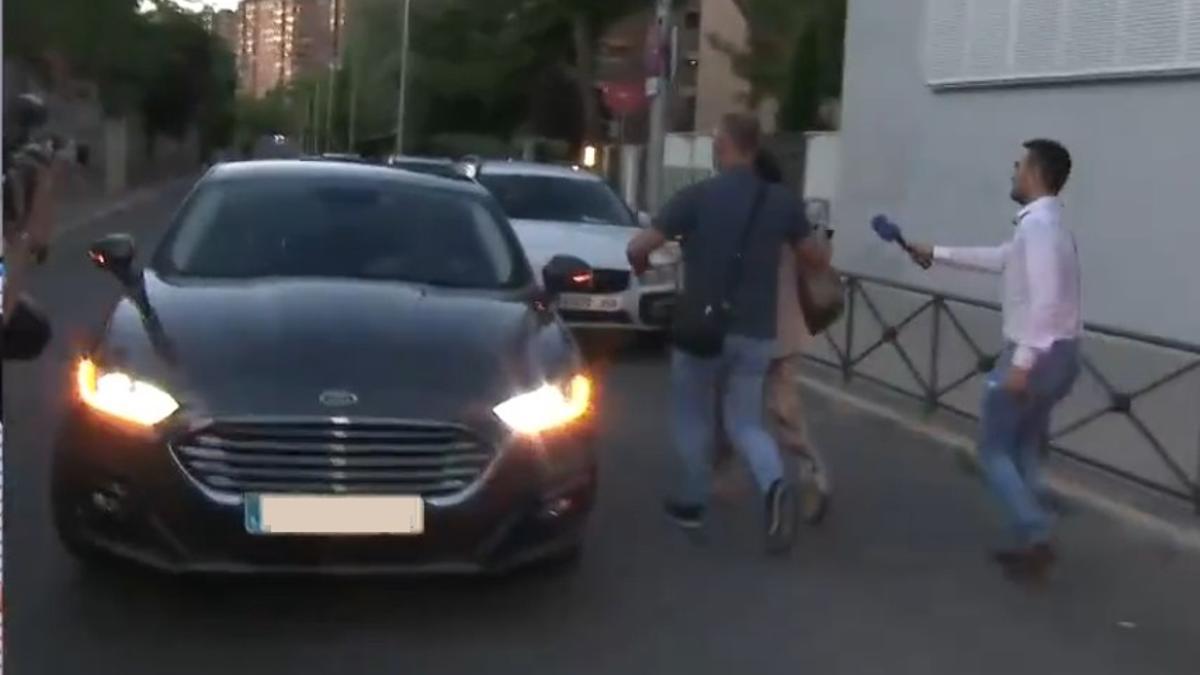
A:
[548,407]
[118,395]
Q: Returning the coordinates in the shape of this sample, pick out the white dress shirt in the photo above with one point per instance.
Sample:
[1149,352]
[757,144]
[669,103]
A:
[1042,295]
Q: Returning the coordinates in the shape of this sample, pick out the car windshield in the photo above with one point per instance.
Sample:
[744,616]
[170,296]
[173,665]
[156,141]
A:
[359,230]
[574,200]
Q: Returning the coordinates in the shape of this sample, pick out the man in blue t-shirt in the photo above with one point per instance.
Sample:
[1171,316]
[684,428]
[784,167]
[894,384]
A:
[710,218]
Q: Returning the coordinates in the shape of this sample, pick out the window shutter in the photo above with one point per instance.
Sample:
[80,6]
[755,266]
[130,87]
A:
[1038,30]
[946,38]
[1093,31]
[1191,32]
[990,30]
[1150,34]
[979,42]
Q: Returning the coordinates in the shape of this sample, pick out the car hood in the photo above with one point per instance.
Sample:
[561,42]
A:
[601,246]
[273,347]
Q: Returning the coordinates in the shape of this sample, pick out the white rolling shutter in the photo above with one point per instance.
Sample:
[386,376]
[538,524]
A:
[992,29]
[1092,35]
[989,42]
[1150,34]
[1191,31]
[946,41]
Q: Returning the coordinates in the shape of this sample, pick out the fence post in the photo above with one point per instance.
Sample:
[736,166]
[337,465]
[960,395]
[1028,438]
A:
[847,363]
[935,351]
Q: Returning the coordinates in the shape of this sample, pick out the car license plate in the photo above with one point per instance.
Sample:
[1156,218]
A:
[590,303]
[334,514]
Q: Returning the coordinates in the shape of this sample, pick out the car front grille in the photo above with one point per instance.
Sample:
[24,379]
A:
[334,456]
[609,281]
[580,316]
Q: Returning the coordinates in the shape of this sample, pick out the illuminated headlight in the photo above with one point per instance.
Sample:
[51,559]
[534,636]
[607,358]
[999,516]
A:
[548,407]
[118,395]
[658,276]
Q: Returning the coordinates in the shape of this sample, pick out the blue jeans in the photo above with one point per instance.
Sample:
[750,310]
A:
[694,387]
[1014,432]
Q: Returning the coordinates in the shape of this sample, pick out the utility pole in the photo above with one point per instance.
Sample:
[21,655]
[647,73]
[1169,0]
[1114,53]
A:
[353,64]
[317,121]
[353,123]
[658,85]
[401,106]
[334,57]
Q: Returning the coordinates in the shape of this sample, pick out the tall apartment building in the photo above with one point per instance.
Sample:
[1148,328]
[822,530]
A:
[705,86]
[280,40]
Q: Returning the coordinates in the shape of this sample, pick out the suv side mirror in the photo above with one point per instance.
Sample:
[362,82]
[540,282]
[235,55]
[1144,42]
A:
[114,254]
[565,273]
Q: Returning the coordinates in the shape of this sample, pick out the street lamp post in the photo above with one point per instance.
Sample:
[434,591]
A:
[658,87]
[404,53]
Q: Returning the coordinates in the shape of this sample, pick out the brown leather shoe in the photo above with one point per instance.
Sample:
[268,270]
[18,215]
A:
[1030,565]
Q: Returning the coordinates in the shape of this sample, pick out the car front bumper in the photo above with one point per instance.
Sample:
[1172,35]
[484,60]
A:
[122,492]
[638,308]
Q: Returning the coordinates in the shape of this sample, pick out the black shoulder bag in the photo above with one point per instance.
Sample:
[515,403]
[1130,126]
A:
[698,324]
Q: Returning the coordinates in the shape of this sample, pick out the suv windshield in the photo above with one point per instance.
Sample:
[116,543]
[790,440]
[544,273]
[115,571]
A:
[360,230]
[573,200]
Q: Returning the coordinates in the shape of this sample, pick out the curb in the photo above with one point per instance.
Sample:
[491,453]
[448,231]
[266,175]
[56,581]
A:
[964,447]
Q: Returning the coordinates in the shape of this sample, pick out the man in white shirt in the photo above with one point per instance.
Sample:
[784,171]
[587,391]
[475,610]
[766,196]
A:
[1040,362]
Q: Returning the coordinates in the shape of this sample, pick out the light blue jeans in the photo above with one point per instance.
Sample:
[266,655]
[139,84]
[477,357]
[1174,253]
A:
[1014,432]
[694,386]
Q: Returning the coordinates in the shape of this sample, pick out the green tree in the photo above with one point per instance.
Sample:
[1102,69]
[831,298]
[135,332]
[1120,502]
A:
[162,63]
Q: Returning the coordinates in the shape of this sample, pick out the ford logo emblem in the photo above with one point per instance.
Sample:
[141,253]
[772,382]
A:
[337,399]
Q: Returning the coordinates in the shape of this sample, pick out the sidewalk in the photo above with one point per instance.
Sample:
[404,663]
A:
[1076,486]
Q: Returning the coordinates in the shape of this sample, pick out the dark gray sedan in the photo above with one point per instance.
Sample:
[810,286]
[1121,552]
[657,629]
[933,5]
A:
[329,367]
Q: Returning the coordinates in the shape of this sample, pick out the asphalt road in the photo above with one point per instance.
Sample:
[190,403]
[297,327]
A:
[895,582]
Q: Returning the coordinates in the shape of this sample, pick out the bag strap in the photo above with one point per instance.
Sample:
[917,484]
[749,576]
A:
[737,266]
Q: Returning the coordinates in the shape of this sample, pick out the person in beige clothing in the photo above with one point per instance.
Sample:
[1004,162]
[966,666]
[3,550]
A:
[784,407]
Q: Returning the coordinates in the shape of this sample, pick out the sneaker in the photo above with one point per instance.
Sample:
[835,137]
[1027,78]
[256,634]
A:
[813,484]
[687,516]
[781,517]
[1031,565]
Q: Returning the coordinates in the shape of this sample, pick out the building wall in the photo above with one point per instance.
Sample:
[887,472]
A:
[719,90]
[940,163]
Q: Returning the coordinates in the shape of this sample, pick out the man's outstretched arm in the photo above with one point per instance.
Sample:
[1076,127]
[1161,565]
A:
[677,219]
[641,246]
[987,259]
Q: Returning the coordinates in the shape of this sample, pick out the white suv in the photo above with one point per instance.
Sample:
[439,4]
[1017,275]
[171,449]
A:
[558,210]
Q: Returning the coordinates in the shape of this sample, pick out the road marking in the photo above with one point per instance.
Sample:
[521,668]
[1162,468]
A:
[1180,536]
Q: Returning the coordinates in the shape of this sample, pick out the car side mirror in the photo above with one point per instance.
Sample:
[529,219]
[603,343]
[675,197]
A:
[115,254]
[645,219]
[565,273]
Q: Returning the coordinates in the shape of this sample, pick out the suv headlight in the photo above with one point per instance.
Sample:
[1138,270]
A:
[549,407]
[118,395]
